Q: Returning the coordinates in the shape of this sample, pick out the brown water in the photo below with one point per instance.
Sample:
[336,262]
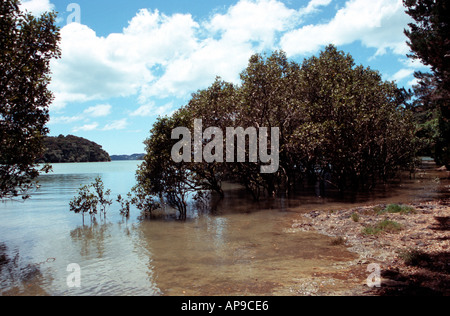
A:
[242,248]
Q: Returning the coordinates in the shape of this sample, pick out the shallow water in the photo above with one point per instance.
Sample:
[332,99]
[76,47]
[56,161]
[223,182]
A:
[242,248]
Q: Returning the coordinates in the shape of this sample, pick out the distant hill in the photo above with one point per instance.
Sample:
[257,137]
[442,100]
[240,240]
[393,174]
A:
[72,149]
[128,157]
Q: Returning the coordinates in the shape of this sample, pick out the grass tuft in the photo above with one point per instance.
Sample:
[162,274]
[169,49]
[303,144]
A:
[355,217]
[396,208]
[385,226]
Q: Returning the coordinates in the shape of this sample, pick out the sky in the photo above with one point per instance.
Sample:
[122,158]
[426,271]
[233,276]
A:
[124,63]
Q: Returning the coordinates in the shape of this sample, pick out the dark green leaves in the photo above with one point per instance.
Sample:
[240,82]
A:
[27,44]
[338,122]
[430,43]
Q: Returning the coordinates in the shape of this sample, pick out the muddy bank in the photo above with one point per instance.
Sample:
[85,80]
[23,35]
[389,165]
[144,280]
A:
[411,247]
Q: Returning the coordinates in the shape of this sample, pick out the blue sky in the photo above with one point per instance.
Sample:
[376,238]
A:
[127,62]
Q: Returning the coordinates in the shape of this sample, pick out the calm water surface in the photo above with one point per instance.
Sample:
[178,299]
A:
[241,248]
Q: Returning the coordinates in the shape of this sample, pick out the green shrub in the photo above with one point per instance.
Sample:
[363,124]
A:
[89,202]
[355,217]
[395,208]
[384,226]
[377,209]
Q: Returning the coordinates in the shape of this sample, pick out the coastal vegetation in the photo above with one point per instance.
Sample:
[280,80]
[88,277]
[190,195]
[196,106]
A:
[27,44]
[125,206]
[383,226]
[430,44]
[342,128]
[91,199]
[395,208]
[63,149]
[340,125]
[94,198]
[127,157]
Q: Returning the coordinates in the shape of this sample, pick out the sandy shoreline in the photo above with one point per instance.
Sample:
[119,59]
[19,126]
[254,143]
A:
[414,260]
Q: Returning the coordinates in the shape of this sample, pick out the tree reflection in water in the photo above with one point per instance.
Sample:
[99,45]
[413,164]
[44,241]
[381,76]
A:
[18,277]
[91,238]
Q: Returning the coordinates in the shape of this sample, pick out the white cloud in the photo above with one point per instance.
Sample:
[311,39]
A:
[159,56]
[413,82]
[410,67]
[90,68]
[151,110]
[415,64]
[255,21]
[376,24]
[64,119]
[313,6]
[86,128]
[231,38]
[116,125]
[91,112]
[37,7]
[186,74]
[402,74]
[98,110]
